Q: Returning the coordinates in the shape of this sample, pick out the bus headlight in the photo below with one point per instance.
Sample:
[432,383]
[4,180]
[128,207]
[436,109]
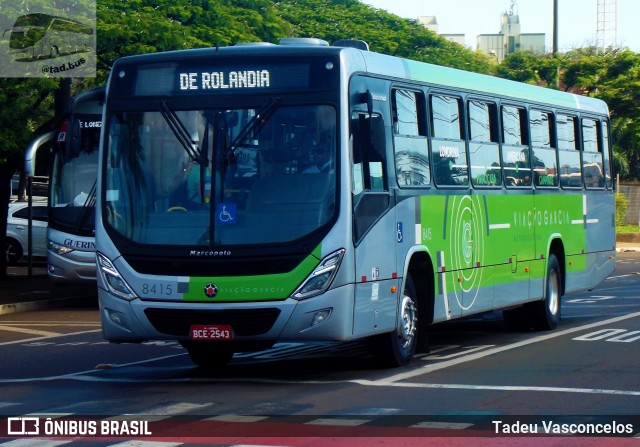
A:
[116,284]
[59,249]
[320,279]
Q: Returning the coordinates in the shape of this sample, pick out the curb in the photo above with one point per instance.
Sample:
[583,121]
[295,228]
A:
[27,306]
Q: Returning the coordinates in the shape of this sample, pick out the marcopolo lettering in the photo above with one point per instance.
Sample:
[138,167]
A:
[217,80]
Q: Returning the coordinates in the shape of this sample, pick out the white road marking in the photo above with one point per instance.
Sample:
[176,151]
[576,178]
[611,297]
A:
[392,381]
[236,418]
[33,442]
[27,340]
[443,425]
[456,386]
[478,355]
[22,330]
[466,350]
[340,422]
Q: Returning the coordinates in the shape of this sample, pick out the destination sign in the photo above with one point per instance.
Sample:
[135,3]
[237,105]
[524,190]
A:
[222,77]
[241,79]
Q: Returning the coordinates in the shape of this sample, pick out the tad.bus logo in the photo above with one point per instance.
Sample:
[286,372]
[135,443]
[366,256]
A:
[211,290]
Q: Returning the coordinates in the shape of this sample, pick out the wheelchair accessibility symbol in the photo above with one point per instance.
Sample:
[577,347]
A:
[226,213]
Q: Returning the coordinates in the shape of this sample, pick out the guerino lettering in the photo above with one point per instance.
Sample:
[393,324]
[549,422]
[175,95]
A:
[215,80]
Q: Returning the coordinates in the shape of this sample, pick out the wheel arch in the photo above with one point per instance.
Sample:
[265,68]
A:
[556,247]
[419,266]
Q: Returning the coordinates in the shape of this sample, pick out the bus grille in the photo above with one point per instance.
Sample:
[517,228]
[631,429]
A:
[245,322]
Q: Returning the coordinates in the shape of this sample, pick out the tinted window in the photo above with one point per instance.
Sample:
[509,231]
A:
[592,165]
[568,154]
[448,149]
[445,117]
[484,152]
[513,126]
[515,150]
[410,141]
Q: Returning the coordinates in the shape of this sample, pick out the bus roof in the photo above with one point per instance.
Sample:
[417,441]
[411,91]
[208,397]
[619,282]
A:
[358,60]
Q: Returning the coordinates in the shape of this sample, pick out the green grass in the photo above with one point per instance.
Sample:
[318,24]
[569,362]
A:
[627,229]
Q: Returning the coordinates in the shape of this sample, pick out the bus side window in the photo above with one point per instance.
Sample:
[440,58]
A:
[545,166]
[515,147]
[371,198]
[368,145]
[569,151]
[410,139]
[447,141]
[484,151]
[592,154]
[606,151]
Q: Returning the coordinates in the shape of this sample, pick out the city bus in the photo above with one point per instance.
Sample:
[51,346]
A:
[71,254]
[40,35]
[304,191]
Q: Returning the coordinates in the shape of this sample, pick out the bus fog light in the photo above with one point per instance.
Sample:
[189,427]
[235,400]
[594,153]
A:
[116,317]
[320,316]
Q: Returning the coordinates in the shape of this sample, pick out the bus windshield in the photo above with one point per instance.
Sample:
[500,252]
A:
[73,180]
[265,174]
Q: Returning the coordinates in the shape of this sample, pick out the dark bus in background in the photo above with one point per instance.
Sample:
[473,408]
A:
[70,236]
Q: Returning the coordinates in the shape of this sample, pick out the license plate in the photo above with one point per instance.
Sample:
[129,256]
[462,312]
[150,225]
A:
[211,332]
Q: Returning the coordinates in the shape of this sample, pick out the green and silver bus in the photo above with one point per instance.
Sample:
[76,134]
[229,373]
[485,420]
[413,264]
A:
[305,191]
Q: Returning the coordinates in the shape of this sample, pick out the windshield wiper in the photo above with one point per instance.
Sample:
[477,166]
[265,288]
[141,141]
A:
[190,146]
[89,203]
[253,126]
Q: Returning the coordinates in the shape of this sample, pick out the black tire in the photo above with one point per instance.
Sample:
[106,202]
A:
[543,314]
[546,313]
[208,355]
[398,347]
[13,251]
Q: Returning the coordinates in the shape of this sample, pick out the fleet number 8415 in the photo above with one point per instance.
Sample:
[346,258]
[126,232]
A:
[158,289]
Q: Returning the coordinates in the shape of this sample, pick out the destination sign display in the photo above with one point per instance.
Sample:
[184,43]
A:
[209,77]
[221,80]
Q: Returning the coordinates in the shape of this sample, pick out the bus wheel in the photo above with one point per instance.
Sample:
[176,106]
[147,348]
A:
[207,355]
[543,314]
[13,251]
[546,313]
[398,347]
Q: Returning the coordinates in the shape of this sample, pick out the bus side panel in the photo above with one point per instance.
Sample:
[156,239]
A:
[375,303]
[587,269]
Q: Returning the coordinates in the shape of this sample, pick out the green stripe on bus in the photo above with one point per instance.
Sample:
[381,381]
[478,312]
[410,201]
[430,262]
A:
[252,287]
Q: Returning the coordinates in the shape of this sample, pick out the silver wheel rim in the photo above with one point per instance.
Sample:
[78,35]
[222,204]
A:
[408,321]
[553,293]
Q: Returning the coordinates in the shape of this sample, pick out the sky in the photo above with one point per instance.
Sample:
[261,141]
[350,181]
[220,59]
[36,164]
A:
[577,19]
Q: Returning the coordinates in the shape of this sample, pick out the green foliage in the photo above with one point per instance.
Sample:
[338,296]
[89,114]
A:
[128,27]
[622,208]
[25,104]
[524,66]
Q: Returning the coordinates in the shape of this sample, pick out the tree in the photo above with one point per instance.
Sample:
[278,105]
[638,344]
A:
[25,106]
[524,66]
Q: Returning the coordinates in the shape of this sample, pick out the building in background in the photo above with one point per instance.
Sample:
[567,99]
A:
[431,23]
[509,40]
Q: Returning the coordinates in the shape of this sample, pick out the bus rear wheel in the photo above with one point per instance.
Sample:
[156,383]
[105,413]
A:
[208,355]
[544,314]
[398,347]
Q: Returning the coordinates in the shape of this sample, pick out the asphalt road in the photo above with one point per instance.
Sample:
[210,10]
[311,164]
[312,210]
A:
[478,382]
